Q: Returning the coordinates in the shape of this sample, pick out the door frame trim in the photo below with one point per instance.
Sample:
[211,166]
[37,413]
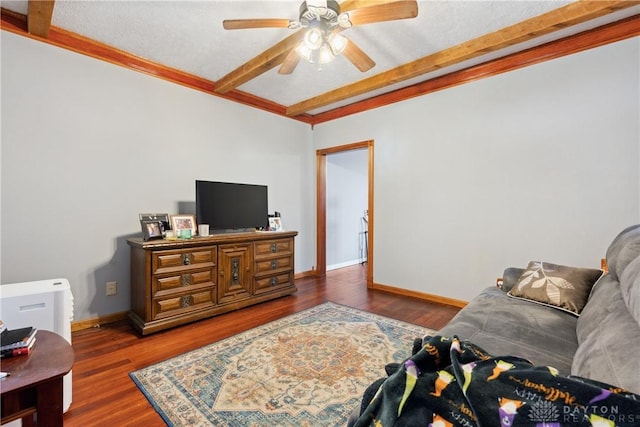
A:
[321,206]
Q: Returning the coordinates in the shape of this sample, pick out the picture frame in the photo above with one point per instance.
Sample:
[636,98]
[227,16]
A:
[162,217]
[275,223]
[184,222]
[151,229]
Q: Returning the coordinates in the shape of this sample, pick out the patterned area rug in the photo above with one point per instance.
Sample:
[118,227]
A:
[307,369]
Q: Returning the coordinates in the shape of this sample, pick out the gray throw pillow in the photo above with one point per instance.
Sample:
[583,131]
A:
[558,286]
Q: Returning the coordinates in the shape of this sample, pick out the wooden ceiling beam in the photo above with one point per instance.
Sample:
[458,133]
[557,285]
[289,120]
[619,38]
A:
[262,63]
[39,14]
[549,22]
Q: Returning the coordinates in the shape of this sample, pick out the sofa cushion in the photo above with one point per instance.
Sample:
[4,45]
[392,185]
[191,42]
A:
[596,308]
[559,286]
[622,250]
[630,288]
[608,338]
[508,326]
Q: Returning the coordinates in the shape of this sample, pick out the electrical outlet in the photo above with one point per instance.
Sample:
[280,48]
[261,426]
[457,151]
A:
[112,288]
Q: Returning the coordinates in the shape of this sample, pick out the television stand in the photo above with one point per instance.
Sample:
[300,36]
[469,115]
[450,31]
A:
[174,282]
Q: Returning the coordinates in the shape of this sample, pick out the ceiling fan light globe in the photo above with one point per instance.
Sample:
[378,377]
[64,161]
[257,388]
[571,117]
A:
[313,38]
[304,52]
[338,43]
[325,55]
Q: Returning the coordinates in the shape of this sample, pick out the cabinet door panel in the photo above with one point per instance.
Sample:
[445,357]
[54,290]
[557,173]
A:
[234,273]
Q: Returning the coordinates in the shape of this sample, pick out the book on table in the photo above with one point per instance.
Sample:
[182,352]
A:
[17,338]
[19,351]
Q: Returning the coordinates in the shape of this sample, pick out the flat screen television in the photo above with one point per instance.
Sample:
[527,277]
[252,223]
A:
[229,207]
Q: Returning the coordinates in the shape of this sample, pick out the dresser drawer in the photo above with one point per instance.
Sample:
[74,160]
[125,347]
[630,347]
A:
[164,285]
[181,259]
[271,283]
[270,248]
[183,303]
[273,265]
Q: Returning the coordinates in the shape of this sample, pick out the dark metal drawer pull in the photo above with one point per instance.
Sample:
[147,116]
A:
[186,279]
[274,264]
[274,248]
[274,281]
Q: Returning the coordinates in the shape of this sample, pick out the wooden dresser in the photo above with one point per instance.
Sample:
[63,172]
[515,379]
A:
[174,282]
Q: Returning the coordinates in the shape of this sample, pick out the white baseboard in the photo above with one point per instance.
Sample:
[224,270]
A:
[344,264]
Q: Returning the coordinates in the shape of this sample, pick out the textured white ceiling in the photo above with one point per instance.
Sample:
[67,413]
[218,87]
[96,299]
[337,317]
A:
[188,35]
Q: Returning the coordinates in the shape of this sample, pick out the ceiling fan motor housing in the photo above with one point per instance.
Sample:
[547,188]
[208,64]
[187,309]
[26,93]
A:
[309,13]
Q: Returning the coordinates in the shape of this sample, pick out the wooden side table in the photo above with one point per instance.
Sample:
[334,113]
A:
[34,385]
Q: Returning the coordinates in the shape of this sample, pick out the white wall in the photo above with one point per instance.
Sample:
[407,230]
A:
[539,163]
[346,200]
[87,145]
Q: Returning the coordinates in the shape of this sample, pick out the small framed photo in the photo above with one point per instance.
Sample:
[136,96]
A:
[275,223]
[162,217]
[184,222]
[151,229]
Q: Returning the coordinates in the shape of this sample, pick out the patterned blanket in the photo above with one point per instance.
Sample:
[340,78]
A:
[448,382]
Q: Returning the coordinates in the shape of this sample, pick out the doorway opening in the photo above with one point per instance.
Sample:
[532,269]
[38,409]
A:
[321,206]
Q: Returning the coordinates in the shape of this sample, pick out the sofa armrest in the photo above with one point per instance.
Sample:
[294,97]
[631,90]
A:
[509,278]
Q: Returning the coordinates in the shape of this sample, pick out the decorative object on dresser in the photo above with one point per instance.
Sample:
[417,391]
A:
[179,281]
[275,222]
[180,223]
[308,368]
[151,229]
[162,217]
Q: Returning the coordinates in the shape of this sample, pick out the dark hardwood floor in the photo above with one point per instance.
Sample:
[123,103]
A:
[103,393]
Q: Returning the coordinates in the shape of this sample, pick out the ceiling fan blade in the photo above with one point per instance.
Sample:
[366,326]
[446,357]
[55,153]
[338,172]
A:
[361,60]
[290,62]
[382,12]
[241,24]
[348,5]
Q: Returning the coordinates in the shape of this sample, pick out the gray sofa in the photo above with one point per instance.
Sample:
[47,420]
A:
[602,344]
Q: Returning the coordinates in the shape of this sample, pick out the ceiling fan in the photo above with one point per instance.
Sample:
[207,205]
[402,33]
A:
[322,21]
